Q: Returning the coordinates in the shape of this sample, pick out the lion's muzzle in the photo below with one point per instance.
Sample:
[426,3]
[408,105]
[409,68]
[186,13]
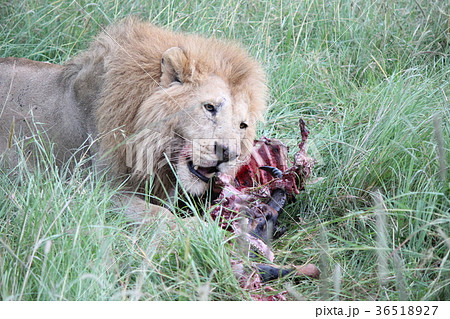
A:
[224,154]
[201,172]
[204,167]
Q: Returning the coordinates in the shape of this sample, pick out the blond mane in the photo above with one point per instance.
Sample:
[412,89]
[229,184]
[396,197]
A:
[124,66]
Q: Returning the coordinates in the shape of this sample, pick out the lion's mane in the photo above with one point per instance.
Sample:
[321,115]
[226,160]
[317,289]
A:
[122,68]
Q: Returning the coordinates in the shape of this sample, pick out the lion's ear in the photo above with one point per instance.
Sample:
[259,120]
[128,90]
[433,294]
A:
[173,64]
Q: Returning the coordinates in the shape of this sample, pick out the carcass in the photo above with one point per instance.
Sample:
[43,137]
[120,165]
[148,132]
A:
[249,205]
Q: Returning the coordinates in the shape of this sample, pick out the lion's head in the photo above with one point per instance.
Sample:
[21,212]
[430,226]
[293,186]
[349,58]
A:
[207,126]
[187,106]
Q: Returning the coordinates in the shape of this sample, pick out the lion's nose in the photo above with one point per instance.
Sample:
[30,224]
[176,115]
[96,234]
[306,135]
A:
[224,154]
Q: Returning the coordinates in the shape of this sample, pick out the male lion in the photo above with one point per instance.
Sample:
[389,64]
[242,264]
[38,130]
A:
[147,103]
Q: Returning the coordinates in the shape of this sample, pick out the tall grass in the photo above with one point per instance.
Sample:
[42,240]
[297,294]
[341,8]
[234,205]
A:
[371,78]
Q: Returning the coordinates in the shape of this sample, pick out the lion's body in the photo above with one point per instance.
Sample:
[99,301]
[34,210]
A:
[147,95]
[32,92]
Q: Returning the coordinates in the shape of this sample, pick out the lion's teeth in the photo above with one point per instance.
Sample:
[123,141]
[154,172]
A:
[196,167]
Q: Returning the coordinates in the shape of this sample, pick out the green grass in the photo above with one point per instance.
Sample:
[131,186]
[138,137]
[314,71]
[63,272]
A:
[371,79]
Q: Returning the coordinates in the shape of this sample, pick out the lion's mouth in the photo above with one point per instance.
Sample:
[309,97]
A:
[201,172]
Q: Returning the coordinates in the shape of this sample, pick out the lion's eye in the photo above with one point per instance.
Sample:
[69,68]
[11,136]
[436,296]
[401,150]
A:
[243,125]
[209,107]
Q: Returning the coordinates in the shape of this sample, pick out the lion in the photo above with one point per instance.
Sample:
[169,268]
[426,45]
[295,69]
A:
[148,104]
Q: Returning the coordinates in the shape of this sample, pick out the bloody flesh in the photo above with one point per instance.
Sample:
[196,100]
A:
[249,204]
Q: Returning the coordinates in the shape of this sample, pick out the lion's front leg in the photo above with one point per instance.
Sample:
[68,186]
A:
[140,211]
